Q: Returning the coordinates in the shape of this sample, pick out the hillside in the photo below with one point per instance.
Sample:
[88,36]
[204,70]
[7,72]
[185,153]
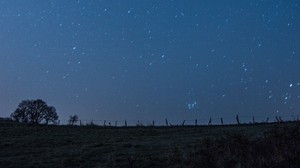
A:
[260,145]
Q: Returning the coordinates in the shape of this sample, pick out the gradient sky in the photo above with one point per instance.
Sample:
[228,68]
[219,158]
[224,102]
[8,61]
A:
[152,59]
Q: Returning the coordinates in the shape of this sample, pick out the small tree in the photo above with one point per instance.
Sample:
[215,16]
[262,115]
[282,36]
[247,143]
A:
[35,112]
[73,119]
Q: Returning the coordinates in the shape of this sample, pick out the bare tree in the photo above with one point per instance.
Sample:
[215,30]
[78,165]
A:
[35,112]
[73,119]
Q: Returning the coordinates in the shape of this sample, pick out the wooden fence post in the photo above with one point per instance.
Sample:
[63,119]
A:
[209,123]
[277,119]
[253,120]
[237,119]
[183,123]
[267,119]
[125,123]
[222,121]
[153,123]
[116,123]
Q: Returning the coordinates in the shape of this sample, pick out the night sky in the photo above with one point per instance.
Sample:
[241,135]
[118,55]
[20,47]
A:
[152,59]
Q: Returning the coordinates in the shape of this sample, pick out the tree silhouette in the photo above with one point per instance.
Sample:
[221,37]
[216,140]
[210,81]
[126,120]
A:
[35,112]
[73,119]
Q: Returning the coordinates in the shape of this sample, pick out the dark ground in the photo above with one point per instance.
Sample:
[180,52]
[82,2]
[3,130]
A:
[259,145]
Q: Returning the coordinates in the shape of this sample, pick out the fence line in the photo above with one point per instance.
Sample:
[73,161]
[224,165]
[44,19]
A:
[186,122]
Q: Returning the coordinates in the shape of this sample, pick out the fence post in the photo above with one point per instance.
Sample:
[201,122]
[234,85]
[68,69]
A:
[209,123]
[104,124]
[237,119]
[153,123]
[116,123]
[267,119]
[183,123]
[253,120]
[277,119]
[222,121]
[196,122]
[125,123]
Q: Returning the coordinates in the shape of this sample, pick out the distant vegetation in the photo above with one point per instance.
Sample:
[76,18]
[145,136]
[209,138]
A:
[6,119]
[73,119]
[35,112]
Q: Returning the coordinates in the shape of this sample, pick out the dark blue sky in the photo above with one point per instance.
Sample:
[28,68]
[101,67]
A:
[152,59]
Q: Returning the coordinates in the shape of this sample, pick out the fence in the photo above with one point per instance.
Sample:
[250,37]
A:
[186,122]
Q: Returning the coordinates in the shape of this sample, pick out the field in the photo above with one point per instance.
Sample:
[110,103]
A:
[259,145]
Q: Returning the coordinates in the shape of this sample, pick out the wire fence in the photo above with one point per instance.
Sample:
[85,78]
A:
[185,122]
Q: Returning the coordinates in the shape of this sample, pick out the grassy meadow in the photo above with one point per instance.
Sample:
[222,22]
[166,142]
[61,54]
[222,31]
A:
[259,145]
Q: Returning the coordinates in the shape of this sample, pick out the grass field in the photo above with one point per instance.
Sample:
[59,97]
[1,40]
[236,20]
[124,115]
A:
[260,145]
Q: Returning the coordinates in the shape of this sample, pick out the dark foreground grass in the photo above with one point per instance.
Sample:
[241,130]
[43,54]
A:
[261,145]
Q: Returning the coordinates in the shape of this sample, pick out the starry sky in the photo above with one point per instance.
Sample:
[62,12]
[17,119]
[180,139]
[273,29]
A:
[152,59]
